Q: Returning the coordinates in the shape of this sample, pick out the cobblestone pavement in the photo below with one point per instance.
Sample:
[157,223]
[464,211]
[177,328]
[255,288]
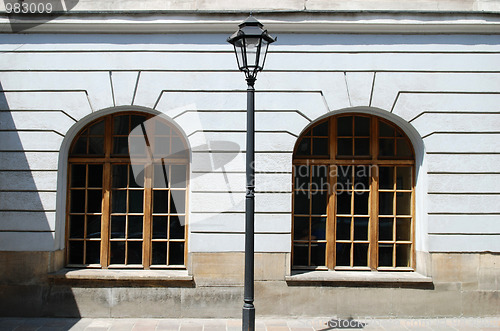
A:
[265,324]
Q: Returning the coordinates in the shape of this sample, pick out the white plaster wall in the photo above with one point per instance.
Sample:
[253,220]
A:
[442,90]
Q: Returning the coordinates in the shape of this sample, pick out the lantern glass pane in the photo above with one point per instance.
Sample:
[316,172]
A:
[263,53]
[252,49]
[239,51]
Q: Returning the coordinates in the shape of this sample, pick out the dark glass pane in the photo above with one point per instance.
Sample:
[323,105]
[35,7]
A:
[403,229]
[136,120]
[304,147]
[344,203]
[161,128]
[121,125]
[344,146]
[120,146]
[177,202]
[344,126]
[360,255]
[176,253]
[361,228]
[321,129]
[402,255]
[301,177]
[319,179]
[361,203]
[308,133]
[385,255]
[178,176]
[160,227]
[318,254]
[344,177]
[119,175]
[135,202]
[96,145]
[134,252]
[362,126]
[301,202]
[117,252]
[386,147]
[178,148]
[343,254]
[77,201]
[343,228]
[136,179]
[93,226]
[362,175]
[75,252]
[93,252]
[76,226]
[160,176]
[97,129]
[162,147]
[361,146]
[403,203]
[177,226]
[320,146]
[385,229]
[118,227]
[160,201]
[95,175]
[386,178]
[318,228]
[301,228]
[386,203]
[403,148]
[118,201]
[300,254]
[78,175]
[159,253]
[135,227]
[94,201]
[80,146]
[385,130]
[319,203]
[403,178]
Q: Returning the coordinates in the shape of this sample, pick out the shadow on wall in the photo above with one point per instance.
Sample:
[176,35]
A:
[27,220]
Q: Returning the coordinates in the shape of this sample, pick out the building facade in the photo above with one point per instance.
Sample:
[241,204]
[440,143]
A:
[122,164]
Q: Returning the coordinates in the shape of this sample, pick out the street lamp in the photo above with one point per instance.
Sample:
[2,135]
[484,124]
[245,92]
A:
[250,45]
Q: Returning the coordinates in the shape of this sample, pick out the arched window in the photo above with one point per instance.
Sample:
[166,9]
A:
[127,194]
[353,200]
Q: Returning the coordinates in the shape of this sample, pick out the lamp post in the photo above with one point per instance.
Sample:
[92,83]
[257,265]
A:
[250,45]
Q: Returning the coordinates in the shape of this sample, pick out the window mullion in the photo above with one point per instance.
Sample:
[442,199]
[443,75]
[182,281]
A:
[374,186]
[106,200]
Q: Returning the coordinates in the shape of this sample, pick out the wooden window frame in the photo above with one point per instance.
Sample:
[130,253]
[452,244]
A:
[373,160]
[108,160]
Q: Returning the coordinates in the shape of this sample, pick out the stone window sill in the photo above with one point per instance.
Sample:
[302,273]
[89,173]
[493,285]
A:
[360,279]
[122,278]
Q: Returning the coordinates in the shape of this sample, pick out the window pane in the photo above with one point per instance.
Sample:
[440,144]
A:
[160,175]
[95,175]
[385,229]
[176,253]
[385,255]
[119,201]
[343,254]
[403,148]
[344,126]
[344,177]
[360,255]
[93,226]
[343,203]
[94,201]
[75,252]
[76,226]
[402,255]
[319,179]
[160,201]
[403,203]
[361,146]
[177,227]
[320,146]
[80,146]
[386,147]
[177,202]
[134,252]
[159,253]
[301,203]
[120,146]
[344,146]
[78,175]
[136,178]
[386,203]
[178,173]
[93,252]
[362,126]
[343,228]
[301,177]
[160,227]
[162,146]
[386,178]
[96,145]
[385,130]
[117,252]
[97,129]
[135,201]
[135,227]
[403,229]
[119,175]
[161,128]
[361,203]
[136,120]
[319,203]
[321,129]
[178,148]
[300,254]
[318,254]
[137,146]
[318,228]
[301,228]
[77,201]
[118,227]
[304,147]
[403,178]
[362,177]
[120,125]
[361,228]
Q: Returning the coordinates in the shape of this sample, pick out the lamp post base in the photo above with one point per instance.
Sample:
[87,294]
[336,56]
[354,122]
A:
[248,317]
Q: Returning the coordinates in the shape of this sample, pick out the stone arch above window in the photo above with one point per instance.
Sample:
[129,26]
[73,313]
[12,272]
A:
[353,196]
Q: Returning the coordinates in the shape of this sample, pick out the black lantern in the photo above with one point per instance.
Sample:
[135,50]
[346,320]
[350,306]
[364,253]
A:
[250,45]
